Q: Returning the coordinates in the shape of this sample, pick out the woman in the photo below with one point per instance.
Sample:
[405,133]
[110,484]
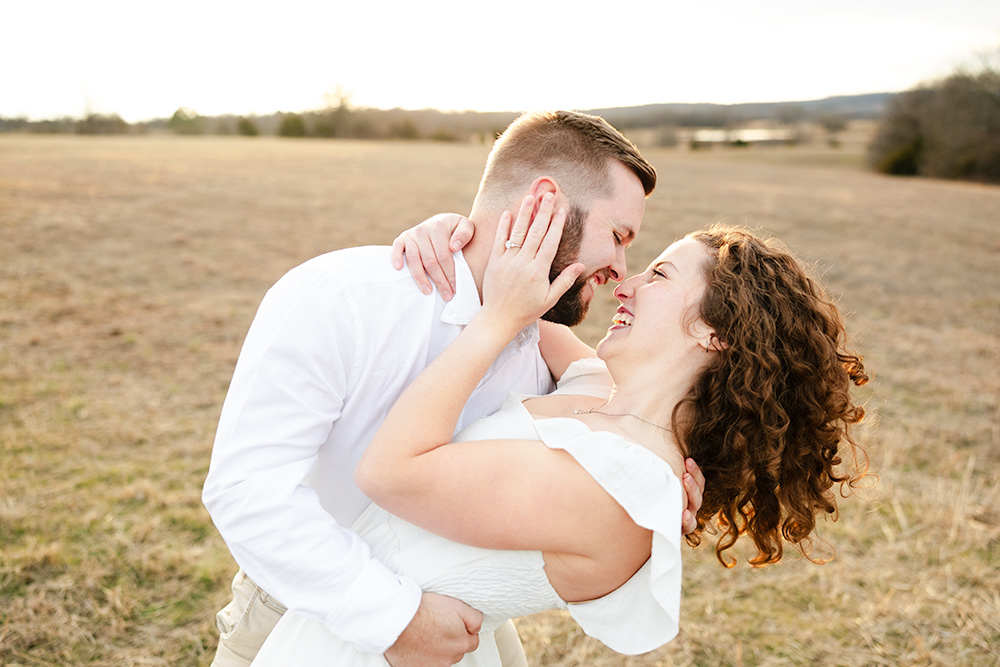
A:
[722,349]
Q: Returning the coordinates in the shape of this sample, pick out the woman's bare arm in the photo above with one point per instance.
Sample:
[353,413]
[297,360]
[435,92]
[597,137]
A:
[422,247]
[411,469]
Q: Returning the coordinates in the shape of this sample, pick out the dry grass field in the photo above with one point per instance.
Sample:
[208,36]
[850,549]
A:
[130,269]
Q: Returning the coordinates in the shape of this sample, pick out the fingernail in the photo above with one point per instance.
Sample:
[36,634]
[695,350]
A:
[397,264]
[426,289]
[446,295]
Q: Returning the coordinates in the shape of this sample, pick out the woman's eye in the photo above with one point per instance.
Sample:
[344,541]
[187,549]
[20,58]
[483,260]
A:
[657,272]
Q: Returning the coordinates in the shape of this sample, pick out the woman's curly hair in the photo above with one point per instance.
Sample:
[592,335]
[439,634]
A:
[766,418]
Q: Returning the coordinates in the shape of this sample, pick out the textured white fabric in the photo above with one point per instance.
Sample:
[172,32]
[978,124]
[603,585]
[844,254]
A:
[334,343]
[639,616]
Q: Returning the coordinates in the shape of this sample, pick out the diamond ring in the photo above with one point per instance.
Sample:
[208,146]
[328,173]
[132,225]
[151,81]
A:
[511,244]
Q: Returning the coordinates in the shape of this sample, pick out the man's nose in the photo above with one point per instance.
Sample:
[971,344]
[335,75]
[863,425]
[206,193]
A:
[617,271]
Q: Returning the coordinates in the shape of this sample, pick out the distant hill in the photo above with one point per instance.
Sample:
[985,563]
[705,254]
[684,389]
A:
[869,106]
[366,123]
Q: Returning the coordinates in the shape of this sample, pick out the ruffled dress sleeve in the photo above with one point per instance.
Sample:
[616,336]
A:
[643,613]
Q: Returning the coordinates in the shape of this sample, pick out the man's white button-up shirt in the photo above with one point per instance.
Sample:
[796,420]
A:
[334,343]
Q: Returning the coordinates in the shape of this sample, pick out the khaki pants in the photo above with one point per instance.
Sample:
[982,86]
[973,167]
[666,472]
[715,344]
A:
[246,622]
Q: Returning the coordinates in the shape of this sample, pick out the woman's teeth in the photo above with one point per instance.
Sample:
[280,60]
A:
[622,320]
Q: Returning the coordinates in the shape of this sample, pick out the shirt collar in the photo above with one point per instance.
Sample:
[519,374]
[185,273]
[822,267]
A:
[465,304]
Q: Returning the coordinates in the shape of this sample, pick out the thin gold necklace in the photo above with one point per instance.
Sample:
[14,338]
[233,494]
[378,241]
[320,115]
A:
[595,411]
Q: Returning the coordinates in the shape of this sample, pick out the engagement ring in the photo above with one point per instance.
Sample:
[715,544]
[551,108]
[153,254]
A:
[511,244]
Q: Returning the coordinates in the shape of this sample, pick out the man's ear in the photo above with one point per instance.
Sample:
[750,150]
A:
[542,186]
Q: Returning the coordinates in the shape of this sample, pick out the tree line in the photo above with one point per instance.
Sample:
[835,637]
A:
[946,129]
[341,122]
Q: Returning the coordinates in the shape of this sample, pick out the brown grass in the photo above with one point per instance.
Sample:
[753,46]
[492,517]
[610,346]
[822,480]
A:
[130,269]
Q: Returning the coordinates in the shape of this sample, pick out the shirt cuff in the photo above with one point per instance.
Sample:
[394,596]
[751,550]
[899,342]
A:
[376,609]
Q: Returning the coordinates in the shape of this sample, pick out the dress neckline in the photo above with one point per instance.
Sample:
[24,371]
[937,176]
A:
[520,398]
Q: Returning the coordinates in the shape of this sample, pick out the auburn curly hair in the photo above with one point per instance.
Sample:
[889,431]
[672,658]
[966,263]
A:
[766,418]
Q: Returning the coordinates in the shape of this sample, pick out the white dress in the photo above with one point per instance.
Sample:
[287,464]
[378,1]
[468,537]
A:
[638,617]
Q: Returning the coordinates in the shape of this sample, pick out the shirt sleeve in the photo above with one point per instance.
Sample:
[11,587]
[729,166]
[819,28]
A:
[289,386]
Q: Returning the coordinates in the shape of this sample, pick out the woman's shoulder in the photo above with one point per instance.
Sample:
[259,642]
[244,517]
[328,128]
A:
[640,480]
[648,489]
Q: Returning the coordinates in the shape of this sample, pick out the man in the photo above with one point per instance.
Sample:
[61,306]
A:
[334,343]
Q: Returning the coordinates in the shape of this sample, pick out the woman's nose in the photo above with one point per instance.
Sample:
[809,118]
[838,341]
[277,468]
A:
[624,289]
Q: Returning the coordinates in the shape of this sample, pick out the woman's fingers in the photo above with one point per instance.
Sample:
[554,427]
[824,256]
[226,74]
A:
[531,227]
[694,486]
[429,262]
[563,282]
[516,286]
[533,238]
[463,233]
[689,523]
[519,230]
[503,233]
[411,253]
[539,224]
[550,241]
[396,254]
[427,250]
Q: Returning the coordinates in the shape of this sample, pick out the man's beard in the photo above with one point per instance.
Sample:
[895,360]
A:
[570,309]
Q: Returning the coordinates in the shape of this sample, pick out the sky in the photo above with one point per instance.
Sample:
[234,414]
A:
[143,60]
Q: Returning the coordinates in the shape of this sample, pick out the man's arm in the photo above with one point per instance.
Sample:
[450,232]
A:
[288,390]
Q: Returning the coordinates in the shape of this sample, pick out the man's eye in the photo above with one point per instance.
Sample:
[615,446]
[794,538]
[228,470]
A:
[618,238]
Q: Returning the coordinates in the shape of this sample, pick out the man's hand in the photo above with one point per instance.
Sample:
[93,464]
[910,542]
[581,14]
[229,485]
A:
[428,248]
[440,634]
[694,486]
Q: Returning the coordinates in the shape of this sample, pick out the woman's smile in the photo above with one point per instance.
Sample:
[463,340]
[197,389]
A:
[622,319]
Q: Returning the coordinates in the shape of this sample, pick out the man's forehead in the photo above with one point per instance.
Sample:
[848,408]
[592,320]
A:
[623,209]
[629,225]
[611,215]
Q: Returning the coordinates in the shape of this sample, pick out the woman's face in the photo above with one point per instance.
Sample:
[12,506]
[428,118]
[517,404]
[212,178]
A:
[659,307]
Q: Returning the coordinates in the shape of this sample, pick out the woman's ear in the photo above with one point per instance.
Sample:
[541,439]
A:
[707,338]
[714,343]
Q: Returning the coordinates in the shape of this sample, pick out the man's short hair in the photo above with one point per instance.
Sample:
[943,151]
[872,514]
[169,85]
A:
[575,149]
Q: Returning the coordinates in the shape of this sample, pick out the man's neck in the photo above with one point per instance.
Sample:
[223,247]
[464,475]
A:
[477,252]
